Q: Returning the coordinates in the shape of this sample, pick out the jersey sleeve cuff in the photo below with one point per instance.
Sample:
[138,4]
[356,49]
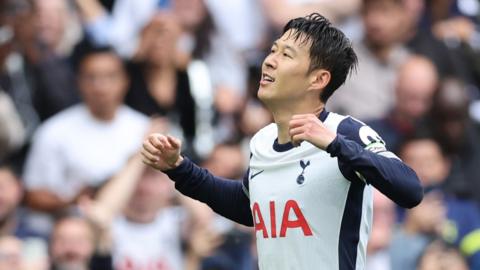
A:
[181,170]
[334,147]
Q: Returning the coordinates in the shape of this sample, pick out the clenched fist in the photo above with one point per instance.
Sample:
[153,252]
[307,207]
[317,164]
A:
[161,152]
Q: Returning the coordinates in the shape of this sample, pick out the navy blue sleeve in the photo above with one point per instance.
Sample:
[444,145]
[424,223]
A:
[226,197]
[362,156]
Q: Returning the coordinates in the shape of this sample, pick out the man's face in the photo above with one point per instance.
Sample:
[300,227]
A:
[10,193]
[102,83]
[51,21]
[72,244]
[285,70]
[426,159]
[153,191]
[415,87]
[383,22]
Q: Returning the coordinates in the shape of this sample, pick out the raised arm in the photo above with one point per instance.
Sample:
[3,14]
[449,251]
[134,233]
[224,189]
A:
[226,197]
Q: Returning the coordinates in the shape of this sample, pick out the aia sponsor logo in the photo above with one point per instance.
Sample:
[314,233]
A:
[291,208]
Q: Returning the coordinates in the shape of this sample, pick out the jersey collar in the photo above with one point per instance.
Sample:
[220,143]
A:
[283,147]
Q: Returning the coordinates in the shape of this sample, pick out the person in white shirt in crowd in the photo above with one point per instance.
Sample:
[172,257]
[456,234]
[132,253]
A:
[83,146]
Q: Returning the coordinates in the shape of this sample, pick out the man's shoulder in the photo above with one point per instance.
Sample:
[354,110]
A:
[356,130]
[61,121]
[269,131]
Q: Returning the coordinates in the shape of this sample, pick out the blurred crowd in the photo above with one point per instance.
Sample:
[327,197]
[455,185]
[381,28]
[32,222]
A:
[82,82]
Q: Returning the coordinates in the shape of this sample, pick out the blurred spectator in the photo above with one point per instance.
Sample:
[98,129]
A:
[136,206]
[120,27]
[203,41]
[440,215]
[227,161]
[458,136]
[369,93]
[382,229]
[148,234]
[80,148]
[421,40]
[158,87]
[17,254]
[416,83]
[11,253]
[53,19]
[226,68]
[73,246]
[279,12]
[243,24]
[14,232]
[200,40]
[57,30]
[440,256]
[455,23]
[15,76]
[12,132]
[11,219]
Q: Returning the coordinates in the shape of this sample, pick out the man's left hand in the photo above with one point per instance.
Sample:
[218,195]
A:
[307,127]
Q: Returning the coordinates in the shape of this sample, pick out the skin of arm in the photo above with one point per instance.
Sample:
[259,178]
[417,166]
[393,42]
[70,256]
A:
[90,9]
[45,201]
[113,197]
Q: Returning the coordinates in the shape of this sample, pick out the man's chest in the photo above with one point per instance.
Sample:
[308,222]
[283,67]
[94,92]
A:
[296,196]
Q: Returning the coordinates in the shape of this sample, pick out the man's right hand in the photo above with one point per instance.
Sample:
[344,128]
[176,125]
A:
[161,152]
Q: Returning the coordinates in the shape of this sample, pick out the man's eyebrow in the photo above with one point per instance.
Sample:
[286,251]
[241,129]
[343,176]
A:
[290,48]
[287,47]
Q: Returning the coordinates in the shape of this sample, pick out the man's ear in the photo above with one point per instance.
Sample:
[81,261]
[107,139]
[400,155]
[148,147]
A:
[319,79]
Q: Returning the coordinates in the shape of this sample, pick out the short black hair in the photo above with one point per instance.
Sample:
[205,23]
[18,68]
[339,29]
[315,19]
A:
[330,49]
[87,48]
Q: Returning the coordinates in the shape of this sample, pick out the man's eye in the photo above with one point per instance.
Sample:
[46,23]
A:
[287,55]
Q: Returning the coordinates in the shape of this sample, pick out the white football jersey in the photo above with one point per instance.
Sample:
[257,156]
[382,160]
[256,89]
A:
[309,211]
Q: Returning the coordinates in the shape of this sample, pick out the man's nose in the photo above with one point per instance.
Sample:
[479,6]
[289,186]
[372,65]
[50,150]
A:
[270,62]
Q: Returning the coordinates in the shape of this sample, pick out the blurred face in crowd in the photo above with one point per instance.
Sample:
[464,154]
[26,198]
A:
[450,112]
[11,13]
[52,18]
[426,159]
[10,194]
[226,161]
[103,84]
[153,191]
[439,257]
[383,222]
[10,253]
[190,13]
[161,36]
[72,244]
[383,21]
[417,81]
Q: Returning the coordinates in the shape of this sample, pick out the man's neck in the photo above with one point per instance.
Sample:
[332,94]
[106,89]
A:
[140,217]
[283,116]
[105,116]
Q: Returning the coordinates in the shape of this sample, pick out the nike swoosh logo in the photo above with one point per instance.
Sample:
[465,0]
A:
[255,174]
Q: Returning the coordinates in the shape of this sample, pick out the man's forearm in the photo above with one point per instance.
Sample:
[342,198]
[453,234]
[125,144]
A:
[224,196]
[45,201]
[389,175]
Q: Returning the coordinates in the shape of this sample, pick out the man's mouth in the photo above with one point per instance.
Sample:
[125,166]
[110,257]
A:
[267,78]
